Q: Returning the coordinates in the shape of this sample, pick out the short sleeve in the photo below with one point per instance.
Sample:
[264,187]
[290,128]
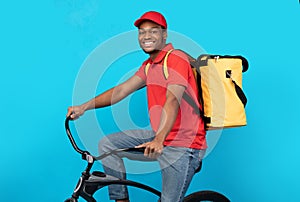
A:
[178,68]
[141,71]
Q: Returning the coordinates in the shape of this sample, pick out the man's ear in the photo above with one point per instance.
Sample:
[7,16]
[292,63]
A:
[165,34]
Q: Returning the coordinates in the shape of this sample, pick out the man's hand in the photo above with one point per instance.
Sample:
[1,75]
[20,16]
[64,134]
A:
[153,149]
[75,112]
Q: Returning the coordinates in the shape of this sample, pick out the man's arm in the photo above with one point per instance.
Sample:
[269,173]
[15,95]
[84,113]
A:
[108,98]
[170,110]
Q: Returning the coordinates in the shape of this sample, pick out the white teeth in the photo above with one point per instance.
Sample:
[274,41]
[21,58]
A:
[148,43]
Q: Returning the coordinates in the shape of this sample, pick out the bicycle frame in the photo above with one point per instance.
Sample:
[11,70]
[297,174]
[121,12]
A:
[89,183]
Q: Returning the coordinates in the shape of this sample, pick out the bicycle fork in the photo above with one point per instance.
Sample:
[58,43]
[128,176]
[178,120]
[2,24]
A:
[79,189]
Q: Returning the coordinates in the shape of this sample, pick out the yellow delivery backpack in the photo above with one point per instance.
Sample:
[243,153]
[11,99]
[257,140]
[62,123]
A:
[219,80]
[221,90]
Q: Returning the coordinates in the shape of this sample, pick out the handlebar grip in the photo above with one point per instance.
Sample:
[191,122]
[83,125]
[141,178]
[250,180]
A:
[142,149]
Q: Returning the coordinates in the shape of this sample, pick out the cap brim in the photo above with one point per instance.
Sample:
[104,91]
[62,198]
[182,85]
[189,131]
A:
[138,22]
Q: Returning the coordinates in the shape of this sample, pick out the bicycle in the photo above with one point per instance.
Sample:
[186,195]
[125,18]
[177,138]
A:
[89,183]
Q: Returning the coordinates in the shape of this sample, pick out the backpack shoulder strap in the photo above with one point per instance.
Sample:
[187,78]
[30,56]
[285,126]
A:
[185,96]
[165,65]
[147,68]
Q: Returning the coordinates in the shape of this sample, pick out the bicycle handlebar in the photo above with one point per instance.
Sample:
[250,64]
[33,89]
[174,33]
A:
[70,136]
[85,154]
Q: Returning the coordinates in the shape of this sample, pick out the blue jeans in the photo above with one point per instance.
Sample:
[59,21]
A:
[178,164]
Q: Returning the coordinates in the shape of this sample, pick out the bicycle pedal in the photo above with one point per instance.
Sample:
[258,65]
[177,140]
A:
[99,174]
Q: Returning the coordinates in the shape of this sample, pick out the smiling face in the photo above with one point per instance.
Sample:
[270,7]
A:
[152,37]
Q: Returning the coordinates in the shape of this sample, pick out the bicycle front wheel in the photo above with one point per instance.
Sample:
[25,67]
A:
[206,196]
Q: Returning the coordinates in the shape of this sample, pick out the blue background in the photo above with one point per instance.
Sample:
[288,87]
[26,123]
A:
[44,43]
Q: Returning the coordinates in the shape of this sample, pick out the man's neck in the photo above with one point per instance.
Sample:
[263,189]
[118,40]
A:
[155,53]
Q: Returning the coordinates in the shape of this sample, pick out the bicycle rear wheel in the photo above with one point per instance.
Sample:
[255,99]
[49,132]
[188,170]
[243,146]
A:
[206,196]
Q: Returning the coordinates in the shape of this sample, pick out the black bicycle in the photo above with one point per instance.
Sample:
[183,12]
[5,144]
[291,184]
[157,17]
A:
[89,182]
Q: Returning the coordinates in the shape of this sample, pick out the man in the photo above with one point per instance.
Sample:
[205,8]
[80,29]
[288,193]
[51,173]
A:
[177,139]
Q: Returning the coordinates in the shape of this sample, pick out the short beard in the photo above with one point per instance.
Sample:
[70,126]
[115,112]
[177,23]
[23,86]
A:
[151,52]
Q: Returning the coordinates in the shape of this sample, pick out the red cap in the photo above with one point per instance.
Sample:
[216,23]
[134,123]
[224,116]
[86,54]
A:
[153,16]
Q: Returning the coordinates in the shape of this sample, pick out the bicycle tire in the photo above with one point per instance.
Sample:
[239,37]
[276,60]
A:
[206,196]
